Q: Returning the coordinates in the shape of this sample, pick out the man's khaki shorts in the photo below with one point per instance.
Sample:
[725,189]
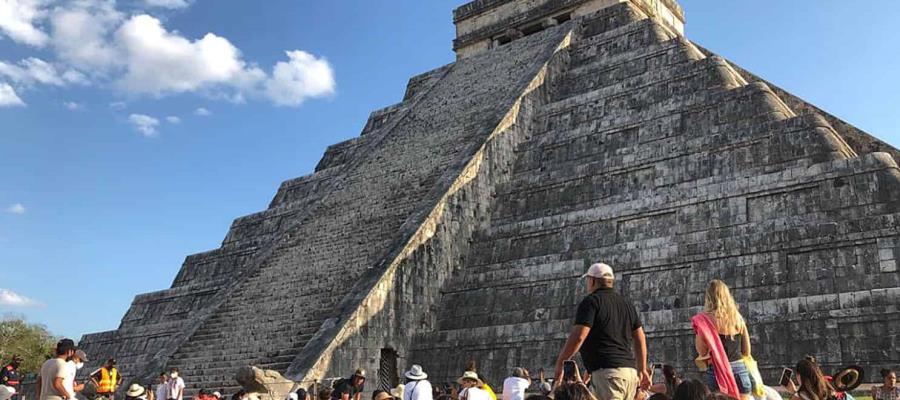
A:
[615,383]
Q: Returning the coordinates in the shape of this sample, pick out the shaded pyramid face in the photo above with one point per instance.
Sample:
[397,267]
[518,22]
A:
[456,226]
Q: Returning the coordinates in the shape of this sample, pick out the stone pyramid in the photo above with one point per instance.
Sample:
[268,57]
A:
[568,131]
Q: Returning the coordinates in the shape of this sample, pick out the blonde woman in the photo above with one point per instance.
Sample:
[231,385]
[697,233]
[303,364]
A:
[722,341]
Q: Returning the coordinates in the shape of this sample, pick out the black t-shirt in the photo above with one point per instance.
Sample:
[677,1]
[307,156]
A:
[346,386]
[612,319]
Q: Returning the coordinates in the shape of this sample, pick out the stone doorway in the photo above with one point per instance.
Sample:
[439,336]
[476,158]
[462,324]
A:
[388,376]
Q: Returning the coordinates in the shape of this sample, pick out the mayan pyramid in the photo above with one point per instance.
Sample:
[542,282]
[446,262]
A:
[567,131]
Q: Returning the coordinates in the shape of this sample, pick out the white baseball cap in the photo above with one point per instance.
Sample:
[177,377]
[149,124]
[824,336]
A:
[599,270]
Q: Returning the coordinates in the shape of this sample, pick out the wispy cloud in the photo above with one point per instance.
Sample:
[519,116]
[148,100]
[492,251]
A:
[144,124]
[9,97]
[16,208]
[173,119]
[73,106]
[203,112]
[118,105]
[170,4]
[12,299]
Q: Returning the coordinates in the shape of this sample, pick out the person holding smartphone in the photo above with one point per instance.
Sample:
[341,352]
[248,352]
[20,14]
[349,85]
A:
[609,335]
[813,385]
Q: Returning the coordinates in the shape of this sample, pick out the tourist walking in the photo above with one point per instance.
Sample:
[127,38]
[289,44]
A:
[72,367]
[350,388]
[417,386]
[471,387]
[889,389]
[161,392]
[722,341]
[514,387]
[813,385]
[610,337]
[9,375]
[175,385]
[50,383]
[107,379]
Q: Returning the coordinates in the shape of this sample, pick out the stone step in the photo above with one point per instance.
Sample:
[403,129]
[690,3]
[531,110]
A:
[703,83]
[661,58]
[610,44]
[563,147]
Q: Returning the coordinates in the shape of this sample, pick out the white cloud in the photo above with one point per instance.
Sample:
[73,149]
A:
[17,208]
[118,105]
[161,62]
[18,18]
[73,106]
[173,119]
[144,124]
[203,112]
[171,4]
[94,43]
[81,35]
[302,77]
[12,299]
[8,96]
[33,70]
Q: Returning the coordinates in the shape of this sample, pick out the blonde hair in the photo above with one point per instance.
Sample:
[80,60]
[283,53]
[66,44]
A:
[719,304]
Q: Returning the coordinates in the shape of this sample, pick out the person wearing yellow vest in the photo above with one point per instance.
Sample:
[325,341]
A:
[107,379]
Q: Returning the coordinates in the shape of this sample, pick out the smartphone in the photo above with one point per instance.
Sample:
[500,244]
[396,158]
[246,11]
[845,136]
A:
[786,375]
[569,370]
[656,366]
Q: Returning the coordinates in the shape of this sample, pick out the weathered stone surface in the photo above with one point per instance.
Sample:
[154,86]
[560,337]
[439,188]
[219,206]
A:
[263,384]
[456,226]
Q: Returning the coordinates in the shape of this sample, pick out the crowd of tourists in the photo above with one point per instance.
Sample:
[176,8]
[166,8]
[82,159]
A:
[607,333]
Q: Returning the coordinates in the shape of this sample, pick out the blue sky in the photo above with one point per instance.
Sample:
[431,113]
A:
[102,196]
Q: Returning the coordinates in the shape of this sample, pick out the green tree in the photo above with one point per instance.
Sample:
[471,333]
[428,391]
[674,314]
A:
[31,341]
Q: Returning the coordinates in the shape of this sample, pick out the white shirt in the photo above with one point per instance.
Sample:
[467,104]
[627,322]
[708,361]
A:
[69,380]
[51,370]
[474,393]
[175,386]
[162,392]
[514,388]
[418,390]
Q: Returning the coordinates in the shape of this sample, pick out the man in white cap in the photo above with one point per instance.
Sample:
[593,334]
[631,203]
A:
[607,328]
[417,386]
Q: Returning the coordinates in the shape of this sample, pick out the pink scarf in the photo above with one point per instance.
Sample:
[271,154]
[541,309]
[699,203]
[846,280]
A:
[705,327]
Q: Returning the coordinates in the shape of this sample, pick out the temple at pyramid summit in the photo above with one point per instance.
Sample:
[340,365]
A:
[456,225]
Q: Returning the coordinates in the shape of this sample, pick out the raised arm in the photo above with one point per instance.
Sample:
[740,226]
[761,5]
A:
[576,338]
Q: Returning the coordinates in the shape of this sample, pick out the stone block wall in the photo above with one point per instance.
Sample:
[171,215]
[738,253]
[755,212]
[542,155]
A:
[455,226]
[670,165]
